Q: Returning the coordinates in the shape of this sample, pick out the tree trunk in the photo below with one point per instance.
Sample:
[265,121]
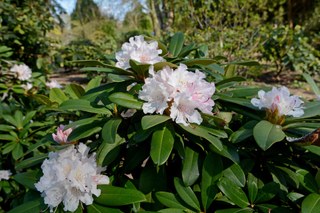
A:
[154,18]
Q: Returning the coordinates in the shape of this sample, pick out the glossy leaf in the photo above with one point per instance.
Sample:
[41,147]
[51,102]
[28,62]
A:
[227,151]
[28,207]
[243,133]
[149,121]
[235,210]
[311,204]
[236,175]
[186,194]
[266,134]
[118,196]
[27,179]
[169,200]
[211,172]
[29,162]
[190,169]
[307,180]
[75,91]
[84,105]
[96,208]
[176,44]
[93,83]
[109,130]
[267,192]
[125,100]
[57,95]
[84,131]
[252,184]
[199,61]
[204,133]
[313,149]
[233,192]
[161,145]
[106,148]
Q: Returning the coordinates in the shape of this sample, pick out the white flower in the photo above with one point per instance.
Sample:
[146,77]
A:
[22,71]
[53,84]
[5,174]
[280,101]
[70,176]
[182,92]
[139,50]
[27,86]
[62,135]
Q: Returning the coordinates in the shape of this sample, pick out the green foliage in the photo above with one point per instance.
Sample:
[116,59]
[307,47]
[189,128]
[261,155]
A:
[24,31]
[235,161]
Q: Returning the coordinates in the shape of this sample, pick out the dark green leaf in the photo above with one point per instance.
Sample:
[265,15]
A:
[252,184]
[199,61]
[267,192]
[125,100]
[161,145]
[140,69]
[204,133]
[211,172]
[28,207]
[31,161]
[235,210]
[17,152]
[106,148]
[118,196]
[28,179]
[109,130]
[233,192]
[169,200]
[313,149]
[266,134]
[176,44]
[227,151]
[190,169]
[149,121]
[235,174]
[243,133]
[84,131]
[96,208]
[186,194]
[307,180]
[84,105]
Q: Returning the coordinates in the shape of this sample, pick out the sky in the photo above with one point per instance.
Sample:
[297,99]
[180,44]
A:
[109,7]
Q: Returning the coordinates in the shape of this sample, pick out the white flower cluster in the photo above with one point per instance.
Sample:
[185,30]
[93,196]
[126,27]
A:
[139,50]
[280,101]
[22,72]
[70,176]
[180,91]
[4,174]
[53,84]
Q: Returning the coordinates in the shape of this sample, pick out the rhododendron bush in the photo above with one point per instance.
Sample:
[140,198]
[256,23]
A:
[169,131]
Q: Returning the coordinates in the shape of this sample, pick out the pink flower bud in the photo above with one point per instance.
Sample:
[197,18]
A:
[62,135]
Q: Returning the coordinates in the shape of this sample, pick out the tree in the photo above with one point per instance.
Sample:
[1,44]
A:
[85,11]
